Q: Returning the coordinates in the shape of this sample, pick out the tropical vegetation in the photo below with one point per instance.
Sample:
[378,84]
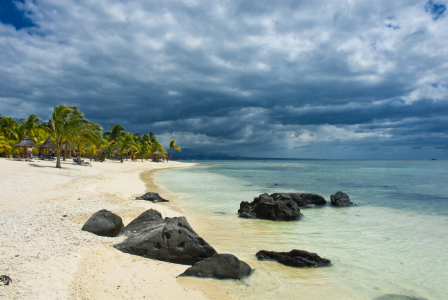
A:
[69,129]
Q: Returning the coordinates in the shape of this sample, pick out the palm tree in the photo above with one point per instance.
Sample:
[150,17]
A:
[91,151]
[143,151]
[116,130]
[8,127]
[31,123]
[152,137]
[62,123]
[84,135]
[173,146]
[32,127]
[125,144]
[157,146]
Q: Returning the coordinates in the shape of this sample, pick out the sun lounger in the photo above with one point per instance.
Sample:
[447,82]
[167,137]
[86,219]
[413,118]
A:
[81,162]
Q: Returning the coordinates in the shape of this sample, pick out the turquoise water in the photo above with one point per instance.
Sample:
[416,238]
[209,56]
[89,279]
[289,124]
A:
[394,240]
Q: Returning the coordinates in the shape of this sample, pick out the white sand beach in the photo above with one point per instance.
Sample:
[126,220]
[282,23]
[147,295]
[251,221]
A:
[44,251]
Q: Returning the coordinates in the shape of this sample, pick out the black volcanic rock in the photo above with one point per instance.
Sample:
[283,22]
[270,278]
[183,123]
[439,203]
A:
[302,199]
[169,239]
[397,297]
[104,223]
[153,197]
[340,199]
[265,207]
[294,258]
[5,279]
[220,266]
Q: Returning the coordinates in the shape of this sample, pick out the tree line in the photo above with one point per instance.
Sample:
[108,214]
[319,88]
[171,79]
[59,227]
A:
[68,128]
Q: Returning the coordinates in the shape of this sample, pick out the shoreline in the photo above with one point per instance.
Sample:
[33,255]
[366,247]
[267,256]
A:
[47,256]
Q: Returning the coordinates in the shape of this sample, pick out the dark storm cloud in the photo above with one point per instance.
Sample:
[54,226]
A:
[348,79]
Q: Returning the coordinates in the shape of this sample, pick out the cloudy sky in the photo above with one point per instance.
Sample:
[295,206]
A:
[310,79]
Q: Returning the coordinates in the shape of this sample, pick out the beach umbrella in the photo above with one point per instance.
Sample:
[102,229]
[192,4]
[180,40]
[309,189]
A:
[25,143]
[48,144]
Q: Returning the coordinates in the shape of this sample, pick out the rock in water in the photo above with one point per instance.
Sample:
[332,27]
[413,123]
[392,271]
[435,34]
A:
[340,199]
[220,266]
[302,199]
[397,297]
[294,258]
[169,239]
[104,223]
[265,207]
[153,197]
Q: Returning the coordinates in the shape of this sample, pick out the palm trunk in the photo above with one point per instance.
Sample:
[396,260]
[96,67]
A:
[58,157]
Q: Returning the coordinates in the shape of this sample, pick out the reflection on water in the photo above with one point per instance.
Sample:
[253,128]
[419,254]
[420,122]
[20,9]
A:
[375,249]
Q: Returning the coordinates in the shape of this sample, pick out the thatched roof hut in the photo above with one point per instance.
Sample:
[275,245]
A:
[48,144]
[108,151]
[25,142]
[158,153]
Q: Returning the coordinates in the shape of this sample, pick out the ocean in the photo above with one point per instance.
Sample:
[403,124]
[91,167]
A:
[394,240]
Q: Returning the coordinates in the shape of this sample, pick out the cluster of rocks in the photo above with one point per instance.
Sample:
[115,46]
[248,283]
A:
[266,207]
[286,206]
[173,240]
[167,239]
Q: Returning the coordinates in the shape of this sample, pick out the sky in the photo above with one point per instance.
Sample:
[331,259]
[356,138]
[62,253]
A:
[338,79]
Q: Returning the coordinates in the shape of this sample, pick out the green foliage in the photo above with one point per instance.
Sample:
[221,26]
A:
[68,125]
[6,146]
[173,146]
[116,130]
[8,127]
[62,124]
[125,144]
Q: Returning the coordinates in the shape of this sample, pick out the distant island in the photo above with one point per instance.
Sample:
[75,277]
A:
[188,153]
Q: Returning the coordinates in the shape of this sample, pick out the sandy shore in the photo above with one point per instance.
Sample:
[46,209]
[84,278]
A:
[44,251]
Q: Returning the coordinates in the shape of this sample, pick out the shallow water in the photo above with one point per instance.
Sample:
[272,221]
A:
[393,241]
